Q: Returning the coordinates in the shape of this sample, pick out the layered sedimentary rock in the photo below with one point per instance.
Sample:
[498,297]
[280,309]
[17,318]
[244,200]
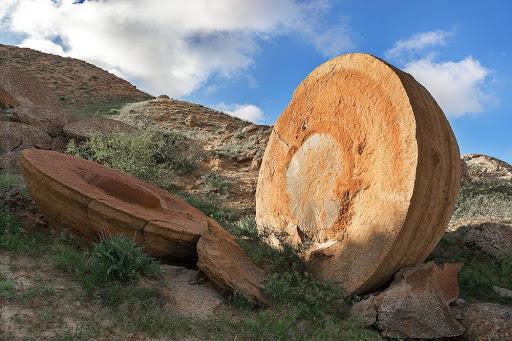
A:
[86,128]
[93,201]
[216,251]
[363,169]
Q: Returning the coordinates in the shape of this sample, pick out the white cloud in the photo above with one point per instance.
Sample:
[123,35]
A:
[457,86]
[418,42]
[169,46]
[247,112]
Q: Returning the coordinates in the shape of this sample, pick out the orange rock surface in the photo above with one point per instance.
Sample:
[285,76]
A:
[92,200]
[363,167]
[216,251]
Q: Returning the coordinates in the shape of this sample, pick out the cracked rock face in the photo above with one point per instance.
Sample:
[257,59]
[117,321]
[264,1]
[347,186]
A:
[92,201]
[364,163]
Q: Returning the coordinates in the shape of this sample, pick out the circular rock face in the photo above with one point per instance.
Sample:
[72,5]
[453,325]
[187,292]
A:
[93,201]
[364,164]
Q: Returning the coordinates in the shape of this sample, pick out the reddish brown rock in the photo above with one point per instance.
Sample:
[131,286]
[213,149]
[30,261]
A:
[93,200]
[86,128]
[227,266]
[364,163]
[416,304]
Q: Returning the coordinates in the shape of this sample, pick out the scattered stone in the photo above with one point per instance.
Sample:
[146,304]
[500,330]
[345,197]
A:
[192,121]
[250,128]
[503,292]
[369,198]
[86,128]
[494,239]
[487,321]
[190,295]
[416,304]
[227,266]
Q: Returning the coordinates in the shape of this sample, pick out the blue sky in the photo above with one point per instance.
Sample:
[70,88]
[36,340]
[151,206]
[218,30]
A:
[248,57]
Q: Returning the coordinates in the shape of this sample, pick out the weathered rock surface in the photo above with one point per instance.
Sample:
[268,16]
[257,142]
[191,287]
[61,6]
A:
[494,239]
[6,100]
[416,303]
[38,106]
[86,128]
[17,136]
[190,295]
[227,266]
[487,321]
[364,162]
[92,200]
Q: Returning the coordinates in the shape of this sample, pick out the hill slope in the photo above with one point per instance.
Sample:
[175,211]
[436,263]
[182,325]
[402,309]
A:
[82,88]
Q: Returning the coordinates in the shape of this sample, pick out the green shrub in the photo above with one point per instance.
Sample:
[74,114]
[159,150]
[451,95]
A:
[177,153]
[7,288]
[120,259]
[213,182]
[484,200]
[131,153]
[8,181]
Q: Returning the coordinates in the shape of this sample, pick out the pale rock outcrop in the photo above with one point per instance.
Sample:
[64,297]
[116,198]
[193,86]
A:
[483,167]
[416,304]
[365,163]
[493,239]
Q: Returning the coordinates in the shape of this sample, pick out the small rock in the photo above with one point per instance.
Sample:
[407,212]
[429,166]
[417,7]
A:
[503,292]
[59,144]
[487,321]
[365,311]
[192,121]
[494,239]
[416,303]
[250,128]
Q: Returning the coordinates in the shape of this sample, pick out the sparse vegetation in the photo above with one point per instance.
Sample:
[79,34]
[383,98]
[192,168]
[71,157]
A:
[213,182]
[490,200]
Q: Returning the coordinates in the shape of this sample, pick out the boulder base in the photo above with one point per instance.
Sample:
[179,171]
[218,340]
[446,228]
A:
[363,166]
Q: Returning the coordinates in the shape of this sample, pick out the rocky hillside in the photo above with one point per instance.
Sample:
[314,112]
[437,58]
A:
[81,88]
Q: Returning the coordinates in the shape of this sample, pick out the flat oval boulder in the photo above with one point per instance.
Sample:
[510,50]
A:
[361,167]
[86,128]
[92,201]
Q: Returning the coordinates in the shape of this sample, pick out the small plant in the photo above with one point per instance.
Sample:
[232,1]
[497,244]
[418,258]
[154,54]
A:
[120,259]
[8,181]
[213,182]
[177,153]
[7,288]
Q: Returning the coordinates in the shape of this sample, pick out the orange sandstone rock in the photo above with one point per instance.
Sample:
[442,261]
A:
[216,251]
[92,200]
[363,166]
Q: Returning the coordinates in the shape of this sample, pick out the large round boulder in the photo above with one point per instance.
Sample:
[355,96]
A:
[362,169]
